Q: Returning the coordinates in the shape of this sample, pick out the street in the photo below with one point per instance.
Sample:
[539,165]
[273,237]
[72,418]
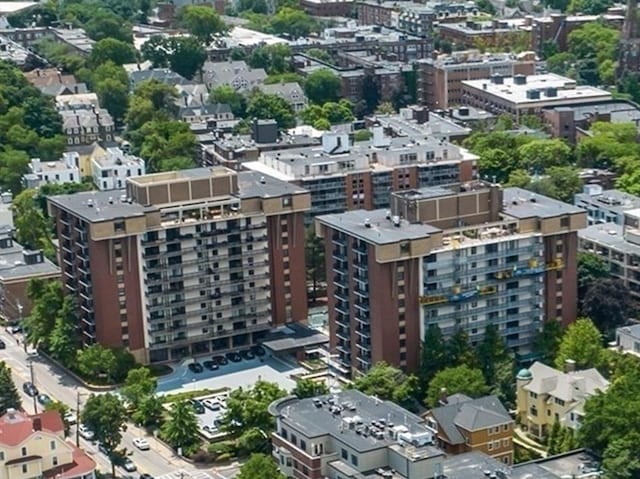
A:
[159,461]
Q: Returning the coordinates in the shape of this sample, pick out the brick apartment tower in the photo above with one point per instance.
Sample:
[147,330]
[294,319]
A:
[184,263]
[467,258]
[629,56]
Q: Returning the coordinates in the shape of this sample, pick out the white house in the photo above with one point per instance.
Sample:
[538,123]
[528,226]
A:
[65,170]
[111,169]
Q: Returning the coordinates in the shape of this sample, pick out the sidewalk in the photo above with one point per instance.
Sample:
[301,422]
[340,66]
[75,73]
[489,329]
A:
[521,439]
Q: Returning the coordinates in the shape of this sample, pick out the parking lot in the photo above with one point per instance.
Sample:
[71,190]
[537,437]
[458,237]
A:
[232,375]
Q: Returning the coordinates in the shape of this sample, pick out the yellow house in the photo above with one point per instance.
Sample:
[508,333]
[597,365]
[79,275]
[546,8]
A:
[34,447]
[546,395]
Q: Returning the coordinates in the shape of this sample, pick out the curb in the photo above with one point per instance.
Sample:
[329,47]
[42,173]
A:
[90,387]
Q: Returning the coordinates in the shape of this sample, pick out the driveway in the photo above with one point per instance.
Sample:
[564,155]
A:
[233,375]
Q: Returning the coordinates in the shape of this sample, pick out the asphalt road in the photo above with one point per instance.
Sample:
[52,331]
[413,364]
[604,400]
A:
[49,379]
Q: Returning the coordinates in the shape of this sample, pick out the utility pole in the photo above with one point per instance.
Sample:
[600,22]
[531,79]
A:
[24,332]
[35,402]
[77,418]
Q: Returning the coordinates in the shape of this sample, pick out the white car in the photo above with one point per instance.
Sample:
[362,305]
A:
[141,443]
[70,418]
[212,404]
[85,432]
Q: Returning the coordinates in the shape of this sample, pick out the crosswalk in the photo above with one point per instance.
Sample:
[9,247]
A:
[182,474]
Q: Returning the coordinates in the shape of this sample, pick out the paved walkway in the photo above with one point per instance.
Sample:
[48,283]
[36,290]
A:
[521,439]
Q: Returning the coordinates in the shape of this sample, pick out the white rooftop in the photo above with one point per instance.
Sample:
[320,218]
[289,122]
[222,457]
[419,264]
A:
[13,7]
[566,90]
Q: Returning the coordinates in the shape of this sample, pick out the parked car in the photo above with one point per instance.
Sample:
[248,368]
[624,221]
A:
[141,443]
[211,365]
[247,354]
[85,432]
[70,418]
[2,344]
[195,367]
[15,329]
[210,429]
[30,389]
[44,399]
[234,357]
[258,350]
[198,407]
[145,476]
[220,360]
[212,403]
[128,465]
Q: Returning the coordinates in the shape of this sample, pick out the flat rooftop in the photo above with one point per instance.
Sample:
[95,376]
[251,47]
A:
[252,184]
[13,266]
[520,203]
[473,58]
[436,126]
[171,176]
[315,418]
[566,89]
[381,231]
[293,336]
[98,206]
[609,235]
[7,8]
[612,200]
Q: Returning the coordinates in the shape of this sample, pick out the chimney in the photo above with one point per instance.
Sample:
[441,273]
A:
[569,366]
[442,399]
[37,424]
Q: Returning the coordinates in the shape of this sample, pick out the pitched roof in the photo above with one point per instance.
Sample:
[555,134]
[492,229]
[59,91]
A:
[207,109]
[17,426]
[82,464]
[289,91]
[572,386]
[462,412]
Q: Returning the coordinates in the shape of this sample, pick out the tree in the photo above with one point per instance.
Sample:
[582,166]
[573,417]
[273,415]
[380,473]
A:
[13,165]
[110,49]
[139,384]
[609,304]
[591,268]
[561,183]
[47,299]
[178,163]
[149,411]
[273,58]
[32,228]
[248,408]
[519,178]
[434,355]
[539,155]
[228,95]
[315,260]
[554,440]
[497,165]
[490,352]
[9,396]
[107,418]
[155,51]
[114,96]
[388,383]
[319,54]
[108,25]
[96,361]
[460,351]
[265,106]
[460,379]
[186,55]
[201,21]
[253,441]
[582,343]
[181,429]
[158,141]
[322,86]
[63,343]
[260,466]
[292,22]
[338,112]
[621,459]
[307,388]
[385,108]
[547,342]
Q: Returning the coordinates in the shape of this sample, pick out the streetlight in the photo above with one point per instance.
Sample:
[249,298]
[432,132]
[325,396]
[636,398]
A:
[24,333]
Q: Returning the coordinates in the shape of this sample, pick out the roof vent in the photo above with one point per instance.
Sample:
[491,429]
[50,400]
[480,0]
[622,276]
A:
[90,203]
[388,214]
[367,223]
[396,221]
[110,200]
[263,180]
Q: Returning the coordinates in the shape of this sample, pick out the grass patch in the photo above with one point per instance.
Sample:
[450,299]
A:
[169,398]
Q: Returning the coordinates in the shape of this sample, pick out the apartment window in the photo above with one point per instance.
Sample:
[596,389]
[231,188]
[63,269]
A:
[303,445]
[305,470]
[54,460]
[564,222]
[533,395]
[345,454]
[25,469]
[1,455]
[490,446]
[533,411]
[294,439]
[53,445]
[118,225]
[559,248]
[283,433]
[505,443]
[24,451]
[354,460]
[559,402]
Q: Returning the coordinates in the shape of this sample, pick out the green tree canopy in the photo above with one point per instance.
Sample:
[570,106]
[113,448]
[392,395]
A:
[96,361]
[547,342]
[260,466]
[110,49]
[293,22]
[388,383]
[322,86]
[47,298]
[248,408]
[460,379]
[181,429]
[138,385]
[9,396]
[582,343]
[434,355]
[591,268]
[105,415]
[32,228]
[273,58]
[265,106]
[539,155]
[306,388]
[63,342]
[201,21]
[609,304]
[104,24]
[228,95]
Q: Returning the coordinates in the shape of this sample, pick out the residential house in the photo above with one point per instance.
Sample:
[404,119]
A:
[466,424]
[208,113]
[628,339]
[195,94]
[83,127]
[237,74]
[35,446]
[113,166]
[77,101]
[291,91]
[65,170]
[546,395]
[52,82]
[162,75]
[18,266]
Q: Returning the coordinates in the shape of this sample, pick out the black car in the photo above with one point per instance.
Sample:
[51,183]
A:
[30,389]
[258,350]
[198,407]
[220,360]
[14,329]
[247,354]
[195,368]
[146,476]
[234,357]
[211,365]
[2,344]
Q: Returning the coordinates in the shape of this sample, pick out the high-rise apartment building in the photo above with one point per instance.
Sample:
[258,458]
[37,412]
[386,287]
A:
[463,258]
[184,263]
